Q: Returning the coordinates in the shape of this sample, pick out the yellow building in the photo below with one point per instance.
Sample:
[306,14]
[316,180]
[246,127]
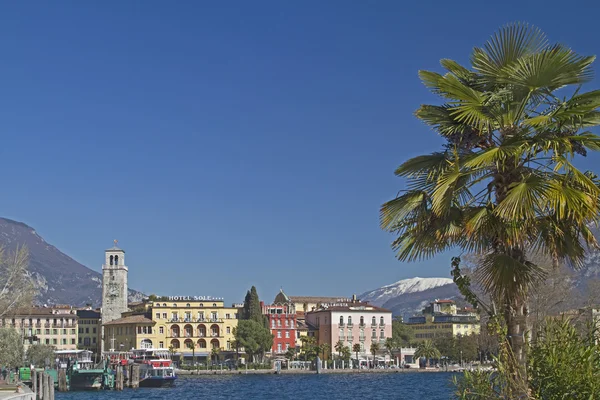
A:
[189,326]
[55,326]
[88,333]
[443,319]
[200,322]
[131,332]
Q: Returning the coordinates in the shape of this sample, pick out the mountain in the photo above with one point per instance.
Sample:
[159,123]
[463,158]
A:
[58,278]
[409,296]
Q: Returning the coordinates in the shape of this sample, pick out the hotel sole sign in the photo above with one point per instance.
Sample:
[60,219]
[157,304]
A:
[194,298]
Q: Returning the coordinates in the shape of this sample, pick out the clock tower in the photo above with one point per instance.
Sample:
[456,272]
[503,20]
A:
[114,286]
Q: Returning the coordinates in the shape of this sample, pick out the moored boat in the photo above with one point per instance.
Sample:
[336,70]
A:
[156,368]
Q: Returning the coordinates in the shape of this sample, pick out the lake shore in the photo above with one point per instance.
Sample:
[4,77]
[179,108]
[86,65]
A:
[310,372]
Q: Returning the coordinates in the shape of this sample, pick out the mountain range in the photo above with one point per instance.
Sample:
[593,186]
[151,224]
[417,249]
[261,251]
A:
[59,279]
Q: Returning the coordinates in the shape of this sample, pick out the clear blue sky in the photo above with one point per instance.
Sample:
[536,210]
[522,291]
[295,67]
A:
[231,143]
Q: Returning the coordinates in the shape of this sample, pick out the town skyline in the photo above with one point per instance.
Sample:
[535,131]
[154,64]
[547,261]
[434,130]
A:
[240,146]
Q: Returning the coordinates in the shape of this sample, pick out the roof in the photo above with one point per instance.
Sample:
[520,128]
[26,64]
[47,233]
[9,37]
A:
[313,299]
[88,314]
[38,312]
[281,297]
[444,301]
[134,319]
[359,306]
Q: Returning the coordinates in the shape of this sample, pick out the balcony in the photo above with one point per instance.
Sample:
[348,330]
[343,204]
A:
[350,325]
[342,338]
[382,325]
[350,338]
[362,325]
[362,338]
[374,325]
[341,324]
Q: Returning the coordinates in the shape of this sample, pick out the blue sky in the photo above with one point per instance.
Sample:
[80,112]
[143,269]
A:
[226,144]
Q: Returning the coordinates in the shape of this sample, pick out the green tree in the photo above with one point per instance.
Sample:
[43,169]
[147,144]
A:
[427,350]
[214,354]
[390,346]
[325,350]
[374,350]
[309,347]
[254,337]
[504,182]
[290,353]
[192,346]
[356,350]
[38,354]
[345,354]
[11,348]
[339,346]
[252,309]
[402,333]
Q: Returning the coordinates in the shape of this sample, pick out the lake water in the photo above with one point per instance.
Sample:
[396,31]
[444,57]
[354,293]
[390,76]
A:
[403,385]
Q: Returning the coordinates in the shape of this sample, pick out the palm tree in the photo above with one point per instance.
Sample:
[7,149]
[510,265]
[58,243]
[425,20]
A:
[325,350]
[390,345]
[215,353]
[427,350]
[192,347]
[339,347]
[345,354]
[504,185]
[374,349]
[356,349]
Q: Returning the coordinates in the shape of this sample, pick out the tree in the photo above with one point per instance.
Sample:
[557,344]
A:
[374,350]
[427,350]
[345,354]
[339,346]
[290,353]
[309,347]
[254,337]
[39,354]
[504,183]
[390,346]
[356,349]
[325,350]
[11,348]
[252,309]
[192,346]
[16,287]
[214,353]
[402,333]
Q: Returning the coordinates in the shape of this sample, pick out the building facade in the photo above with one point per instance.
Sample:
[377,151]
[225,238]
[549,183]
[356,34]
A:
[131,332]
[89,331]
[56,326]
[114,286]
[351,322]
[283,324]
[442,318]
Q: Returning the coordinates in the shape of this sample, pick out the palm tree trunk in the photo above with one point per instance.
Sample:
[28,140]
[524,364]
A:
[515,316]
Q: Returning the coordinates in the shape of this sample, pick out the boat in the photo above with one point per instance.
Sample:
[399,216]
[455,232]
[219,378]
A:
[82,374]
[156,368]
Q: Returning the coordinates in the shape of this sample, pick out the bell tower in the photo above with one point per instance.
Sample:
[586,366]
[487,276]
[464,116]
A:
[114,286]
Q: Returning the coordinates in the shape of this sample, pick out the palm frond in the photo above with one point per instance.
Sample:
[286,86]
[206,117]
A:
[501,274]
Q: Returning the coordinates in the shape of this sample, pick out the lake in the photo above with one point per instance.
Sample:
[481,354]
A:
[402,385]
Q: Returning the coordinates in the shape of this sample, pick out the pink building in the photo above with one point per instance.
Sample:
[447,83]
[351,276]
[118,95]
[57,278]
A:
[351,322]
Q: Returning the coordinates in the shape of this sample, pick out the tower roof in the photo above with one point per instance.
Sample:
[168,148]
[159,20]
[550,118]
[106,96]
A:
[115,248]
[281,297]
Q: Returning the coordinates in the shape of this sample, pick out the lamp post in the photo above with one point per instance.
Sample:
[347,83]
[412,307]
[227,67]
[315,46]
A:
[461,361]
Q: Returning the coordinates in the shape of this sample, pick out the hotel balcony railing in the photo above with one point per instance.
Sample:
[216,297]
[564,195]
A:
[382,324]
[374,325]
[342,338]
[350,324]
[341,323]
[362,324]
[196,320]
[350,338]
[362,338]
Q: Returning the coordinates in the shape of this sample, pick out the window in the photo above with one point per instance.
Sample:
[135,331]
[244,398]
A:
[174,305]
[279,334]
[349,320]
[287,334]
[214,304]
[80,330]
[94,340]
[73,341]
[164,315]
[87,330]
[161,330]
[47,341]
[188,305]
[287,346]
[161,345]
[286,323]
[228,345]
[79,340]
[93,330]
[64,332]
[157,315]
[228,330]
[381,321]
[64,341]
[201,305]
[228,316]
[341,320]
[164,304]
[273,323]
[157,304]
[374,335]
[73,331]
[373,321]
[382,334]
[362,320]
[55,331]
[278,323]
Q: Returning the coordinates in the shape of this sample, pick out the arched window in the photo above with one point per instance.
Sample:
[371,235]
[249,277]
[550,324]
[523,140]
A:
[381,321]
[164,304]
[362,321]
[341,320]
[350,321]
[214,304]
[116,260]
[188,305]
[157,304]
[174,304]
[201,305]
[373,321]
[111,260]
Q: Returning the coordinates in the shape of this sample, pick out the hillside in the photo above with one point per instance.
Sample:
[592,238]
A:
[58,278]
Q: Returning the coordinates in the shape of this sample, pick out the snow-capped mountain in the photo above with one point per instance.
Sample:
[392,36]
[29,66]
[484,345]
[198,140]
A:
[380,296]
[409,296]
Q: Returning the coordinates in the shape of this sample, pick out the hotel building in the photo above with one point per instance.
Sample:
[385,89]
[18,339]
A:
[442,318]
[351,322]
[56,326]
[283,324]
[89,331]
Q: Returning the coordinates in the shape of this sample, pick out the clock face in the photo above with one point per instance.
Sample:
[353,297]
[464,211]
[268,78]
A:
[112,290]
